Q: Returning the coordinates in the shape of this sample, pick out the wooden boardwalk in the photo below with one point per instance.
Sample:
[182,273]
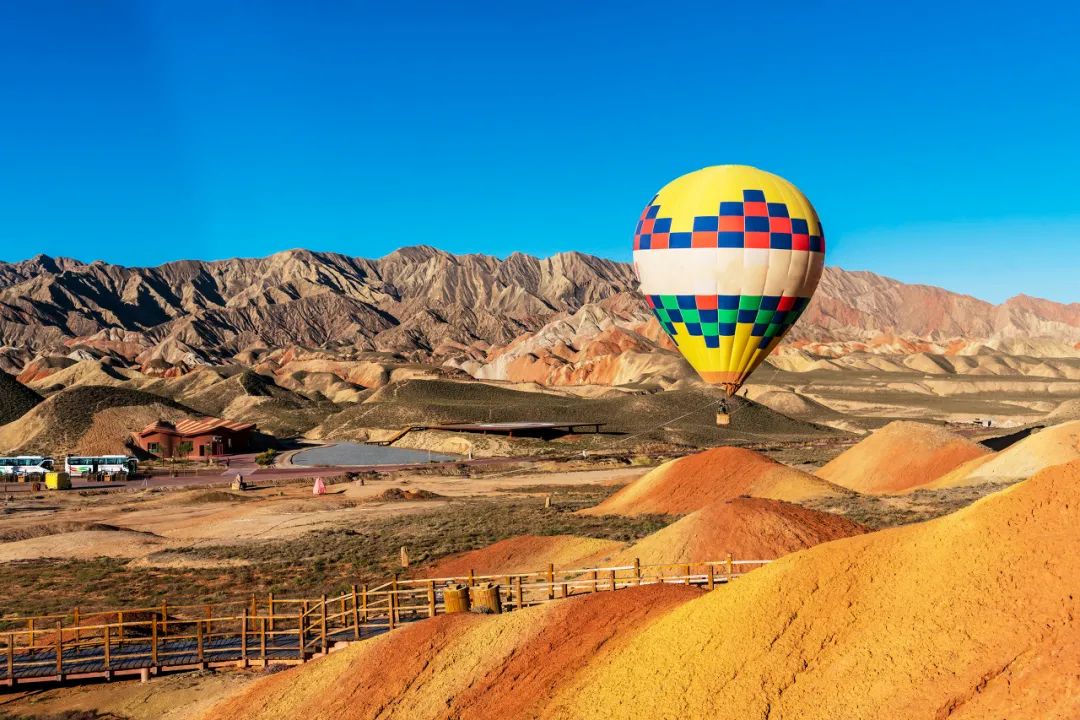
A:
[270,630]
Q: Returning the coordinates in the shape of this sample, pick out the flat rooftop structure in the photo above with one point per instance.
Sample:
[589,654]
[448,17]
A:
[510,428]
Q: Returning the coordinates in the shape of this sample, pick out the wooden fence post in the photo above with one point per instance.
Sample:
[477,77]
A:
[243,639]
[394,600]
[300,628]
[711,581]
[392,609]
[551,581]
[637,571]
[686,575]
[613,586]
[120,628]
[199,640]
[730,566]
[270,609]
[11,660]
[153,643]
[565,591]
[254,605]
[322,623]
[431,598]
[520,594]
[262,640]
[75,618]
[355,614]
[472,577]
[593,577]
[30,627]
[108,652]
[59,650]
[164,617]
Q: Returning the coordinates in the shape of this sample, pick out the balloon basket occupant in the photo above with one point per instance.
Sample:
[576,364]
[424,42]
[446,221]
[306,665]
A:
[728,258]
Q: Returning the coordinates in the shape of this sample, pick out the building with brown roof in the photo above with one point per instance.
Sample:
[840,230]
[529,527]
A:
[195,439]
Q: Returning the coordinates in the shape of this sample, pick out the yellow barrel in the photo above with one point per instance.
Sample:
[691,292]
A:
[486,599]
[57,481]
[456,598]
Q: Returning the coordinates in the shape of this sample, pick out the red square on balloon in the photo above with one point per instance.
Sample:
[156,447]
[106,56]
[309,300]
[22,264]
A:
[756,240]
[780,224]
[704,239]
[786,303]
[706,302]
[660,241]
[755,209]
[731,223]
[800,241]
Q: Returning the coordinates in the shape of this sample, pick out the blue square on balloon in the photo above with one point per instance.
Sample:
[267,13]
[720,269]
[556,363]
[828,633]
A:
[645,242]
[693,328]
[674,316]
[777,210]
[759,329]
[727,302]
[780,241]
[709,316]
[679,240]
[747,316]
[799,226]
[661,225]
[753,195]
[778,317]
[764,343]
[769,302]
[655,301]
[757,224]
[686,302]
[726,329]
[651,212]
[712,341]
[815,243]
[706,223]
[731,208]
[730,239]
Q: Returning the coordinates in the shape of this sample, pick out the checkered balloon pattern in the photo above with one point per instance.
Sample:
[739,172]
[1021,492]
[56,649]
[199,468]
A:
[728,258]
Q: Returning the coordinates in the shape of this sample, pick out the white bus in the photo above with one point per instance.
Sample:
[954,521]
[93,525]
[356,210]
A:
[92,464]
[25,465]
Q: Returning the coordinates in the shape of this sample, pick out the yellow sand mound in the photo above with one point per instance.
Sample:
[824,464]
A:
[748,528]
[526,553]
[696,481]
[1052,446]
[972,615]
[900,456]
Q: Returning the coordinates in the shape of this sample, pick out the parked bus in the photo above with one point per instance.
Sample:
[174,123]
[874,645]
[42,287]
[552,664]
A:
[93,464]
[25,465]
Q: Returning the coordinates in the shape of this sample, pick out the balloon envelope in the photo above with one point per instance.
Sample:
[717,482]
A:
[728,257]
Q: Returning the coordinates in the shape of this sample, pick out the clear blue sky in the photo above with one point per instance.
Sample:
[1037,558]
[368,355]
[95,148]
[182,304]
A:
[939,142]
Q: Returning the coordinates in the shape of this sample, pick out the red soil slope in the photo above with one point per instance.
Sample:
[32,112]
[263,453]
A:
[900,456]
[696,481]
[748,528]
[459,665]
[526,553]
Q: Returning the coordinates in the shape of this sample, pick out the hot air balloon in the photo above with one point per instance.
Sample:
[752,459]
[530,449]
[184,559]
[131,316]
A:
[728,258]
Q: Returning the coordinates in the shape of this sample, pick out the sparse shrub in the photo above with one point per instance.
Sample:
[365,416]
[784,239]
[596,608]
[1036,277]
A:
[266,457]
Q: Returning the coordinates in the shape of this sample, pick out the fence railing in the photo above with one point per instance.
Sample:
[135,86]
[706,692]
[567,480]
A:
[270,630]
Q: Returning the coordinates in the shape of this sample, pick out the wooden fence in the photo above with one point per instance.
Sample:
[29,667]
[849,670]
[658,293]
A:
[270,630]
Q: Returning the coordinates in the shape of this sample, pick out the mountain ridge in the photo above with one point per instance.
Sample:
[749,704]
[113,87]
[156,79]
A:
[469,310]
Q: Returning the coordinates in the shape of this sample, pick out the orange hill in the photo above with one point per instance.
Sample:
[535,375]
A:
[693,482]
[748,528]
[526,553]
[971,615]
[900,456]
